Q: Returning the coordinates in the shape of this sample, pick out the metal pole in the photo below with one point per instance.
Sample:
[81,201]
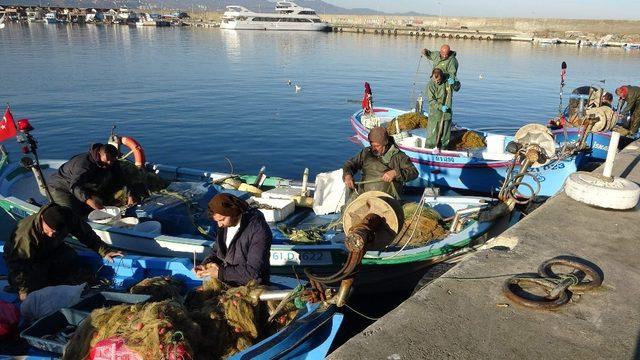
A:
[611,154]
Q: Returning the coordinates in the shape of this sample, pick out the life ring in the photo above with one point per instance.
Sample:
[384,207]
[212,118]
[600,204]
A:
[134,148]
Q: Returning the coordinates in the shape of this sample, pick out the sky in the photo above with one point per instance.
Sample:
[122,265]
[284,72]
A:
[567,9]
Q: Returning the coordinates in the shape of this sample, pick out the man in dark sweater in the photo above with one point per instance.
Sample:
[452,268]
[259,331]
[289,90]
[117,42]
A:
[89,181]
[241,251]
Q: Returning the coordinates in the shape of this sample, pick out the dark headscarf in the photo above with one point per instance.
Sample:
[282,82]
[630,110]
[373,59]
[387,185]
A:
[227,205]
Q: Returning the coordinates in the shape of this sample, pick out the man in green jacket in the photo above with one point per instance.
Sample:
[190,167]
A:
[446,61]
[631,96]
[384,167]
[439,99]
[36,255]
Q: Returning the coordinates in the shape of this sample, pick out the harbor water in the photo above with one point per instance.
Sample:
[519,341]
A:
[194,96]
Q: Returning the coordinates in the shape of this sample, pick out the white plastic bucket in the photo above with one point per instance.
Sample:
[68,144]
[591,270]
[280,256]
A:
[105,216]
[495,144]
[150,227]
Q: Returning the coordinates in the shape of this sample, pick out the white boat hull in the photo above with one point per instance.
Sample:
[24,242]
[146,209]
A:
[283,26]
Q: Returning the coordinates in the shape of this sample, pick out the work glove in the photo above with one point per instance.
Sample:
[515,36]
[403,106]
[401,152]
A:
[444,108]
[451,81]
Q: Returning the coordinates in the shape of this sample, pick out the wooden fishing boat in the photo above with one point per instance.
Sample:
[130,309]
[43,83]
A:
[309,336]
[479,170]
[182,210]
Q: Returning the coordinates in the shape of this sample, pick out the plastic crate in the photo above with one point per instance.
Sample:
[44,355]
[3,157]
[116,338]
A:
[53,332]
[107,299]
[279,211]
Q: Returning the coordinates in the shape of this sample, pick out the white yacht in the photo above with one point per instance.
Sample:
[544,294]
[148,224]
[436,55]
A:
[288,16]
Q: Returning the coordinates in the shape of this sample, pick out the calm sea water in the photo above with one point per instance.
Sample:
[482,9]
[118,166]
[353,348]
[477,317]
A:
[194,96]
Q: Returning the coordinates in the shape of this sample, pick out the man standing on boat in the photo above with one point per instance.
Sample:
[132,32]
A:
[36,255]
[631,97]
[446,61]
[241,251]
[384,167]
[439,99]
[89,181]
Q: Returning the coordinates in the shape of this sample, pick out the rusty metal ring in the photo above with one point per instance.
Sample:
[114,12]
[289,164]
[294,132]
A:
[543,303]
[590,270]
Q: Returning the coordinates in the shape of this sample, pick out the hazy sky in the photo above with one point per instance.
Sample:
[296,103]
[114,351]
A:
[569,9]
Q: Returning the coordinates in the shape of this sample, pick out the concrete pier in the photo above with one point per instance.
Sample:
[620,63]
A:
[464,315]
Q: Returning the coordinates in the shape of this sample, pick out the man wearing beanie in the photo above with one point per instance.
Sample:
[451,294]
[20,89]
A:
[89,181]
[384,167]
[241,251]
[36,254]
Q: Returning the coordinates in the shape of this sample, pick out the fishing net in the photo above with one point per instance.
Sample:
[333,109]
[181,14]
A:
[468,140]
[407,121]
[156,330]
[422,227]
[306,236]
[160,288]
[142,182]
[215,322]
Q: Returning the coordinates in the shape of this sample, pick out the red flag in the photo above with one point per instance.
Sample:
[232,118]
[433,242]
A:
[367,99]
[7,126]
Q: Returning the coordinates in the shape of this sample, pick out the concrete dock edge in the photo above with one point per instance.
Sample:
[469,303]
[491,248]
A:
[464,315]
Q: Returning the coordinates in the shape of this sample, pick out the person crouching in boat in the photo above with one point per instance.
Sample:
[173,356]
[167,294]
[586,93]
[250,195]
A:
[241,251]
[631,97]
[89,181]
[36,255]
[384,167]
[440,112]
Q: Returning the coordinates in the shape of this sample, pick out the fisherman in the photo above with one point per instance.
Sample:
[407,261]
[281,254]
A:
[241,251]
[440,112]
[90,181]
[631,97]
[384,167]
[446,61]
[36,255]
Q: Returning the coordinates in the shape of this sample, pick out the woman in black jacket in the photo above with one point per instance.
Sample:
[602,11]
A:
[241,251]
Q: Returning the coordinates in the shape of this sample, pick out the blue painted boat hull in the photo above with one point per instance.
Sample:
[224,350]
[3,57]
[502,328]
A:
[461,170]
[308,337]
[598,143]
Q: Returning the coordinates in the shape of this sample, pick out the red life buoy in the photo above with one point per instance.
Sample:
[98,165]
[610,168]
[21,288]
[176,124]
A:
[135,148]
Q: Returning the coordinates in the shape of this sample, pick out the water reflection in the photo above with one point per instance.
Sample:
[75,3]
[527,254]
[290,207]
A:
[207,93]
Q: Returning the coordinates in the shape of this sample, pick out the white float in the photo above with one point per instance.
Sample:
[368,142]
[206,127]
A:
[604,190]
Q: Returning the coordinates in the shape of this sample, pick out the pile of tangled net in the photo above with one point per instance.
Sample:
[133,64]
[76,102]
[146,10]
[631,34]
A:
[407,121]
[426,223]
[159,288]
[156,330]
[216,321]
[468,141]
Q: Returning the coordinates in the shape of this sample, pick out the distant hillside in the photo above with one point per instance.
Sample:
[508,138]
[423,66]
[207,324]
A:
[207,5]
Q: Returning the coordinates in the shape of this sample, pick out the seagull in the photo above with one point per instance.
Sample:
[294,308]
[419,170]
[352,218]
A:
[298,88]
[481,76]
[289,82]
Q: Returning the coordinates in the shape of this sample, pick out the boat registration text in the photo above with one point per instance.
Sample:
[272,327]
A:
[289,257]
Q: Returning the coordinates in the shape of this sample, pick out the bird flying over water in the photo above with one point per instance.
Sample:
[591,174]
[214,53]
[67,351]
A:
[298,88]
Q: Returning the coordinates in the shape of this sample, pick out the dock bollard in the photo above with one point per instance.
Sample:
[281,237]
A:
[604,190]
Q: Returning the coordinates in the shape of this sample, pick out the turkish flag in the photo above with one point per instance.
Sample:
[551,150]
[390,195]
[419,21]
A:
[367,101]
[7,126]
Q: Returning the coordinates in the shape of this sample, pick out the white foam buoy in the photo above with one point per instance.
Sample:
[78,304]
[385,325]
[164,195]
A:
[604,190]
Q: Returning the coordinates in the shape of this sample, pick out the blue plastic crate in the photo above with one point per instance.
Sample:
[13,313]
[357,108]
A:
[53,332]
